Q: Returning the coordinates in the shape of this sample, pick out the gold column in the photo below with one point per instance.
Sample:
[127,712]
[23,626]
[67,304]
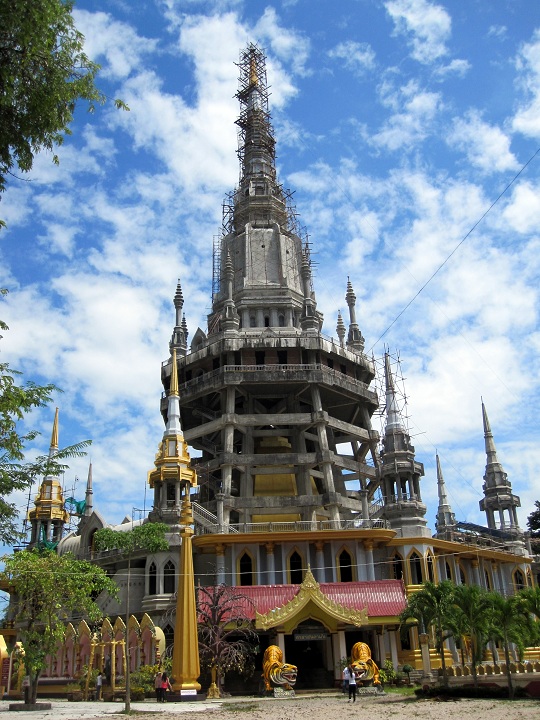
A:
[186,668]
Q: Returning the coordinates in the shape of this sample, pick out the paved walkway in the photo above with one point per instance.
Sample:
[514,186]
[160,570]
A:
[64,710]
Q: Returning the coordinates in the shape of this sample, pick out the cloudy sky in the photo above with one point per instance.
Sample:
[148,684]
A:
[399,125]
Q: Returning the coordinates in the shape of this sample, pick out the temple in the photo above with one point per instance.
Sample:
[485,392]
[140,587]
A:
[296,499]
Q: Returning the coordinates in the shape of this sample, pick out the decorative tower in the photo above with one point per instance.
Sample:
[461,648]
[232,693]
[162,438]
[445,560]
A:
[400,472]
[498,498]
[355,338]
[445,524]
[173,464]
[49,515]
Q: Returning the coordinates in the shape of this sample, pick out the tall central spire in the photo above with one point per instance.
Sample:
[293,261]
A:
[262,264]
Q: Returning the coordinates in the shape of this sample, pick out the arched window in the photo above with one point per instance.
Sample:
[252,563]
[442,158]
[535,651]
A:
[430,568]
[462,576]
[252,321]
[168,631]
[246,569]
[519,580]
[345,566]
[295,569]
[448,571]
[415,566]
[397,567]
[281,320]
[152,579]
[168,577]
[488,580]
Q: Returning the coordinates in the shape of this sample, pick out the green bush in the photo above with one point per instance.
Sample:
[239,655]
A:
[137,693]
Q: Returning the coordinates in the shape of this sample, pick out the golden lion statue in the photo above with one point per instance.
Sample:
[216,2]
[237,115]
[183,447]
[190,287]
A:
[275,671]
[364,667]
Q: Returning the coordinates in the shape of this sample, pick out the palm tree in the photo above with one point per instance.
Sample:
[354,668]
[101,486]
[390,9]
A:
[430,608]
[531,599]
[472,606]
[509,624]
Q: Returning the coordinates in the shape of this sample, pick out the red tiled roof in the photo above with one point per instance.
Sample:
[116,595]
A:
[380,597]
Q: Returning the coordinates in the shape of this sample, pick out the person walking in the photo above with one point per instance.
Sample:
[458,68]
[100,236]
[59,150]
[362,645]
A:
[157,685]
[99,685]
[352,685]
[165,685]
[345,677]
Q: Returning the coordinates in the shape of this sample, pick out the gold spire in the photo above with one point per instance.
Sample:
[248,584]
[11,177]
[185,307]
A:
[253,77]
[173,390]
[54,436]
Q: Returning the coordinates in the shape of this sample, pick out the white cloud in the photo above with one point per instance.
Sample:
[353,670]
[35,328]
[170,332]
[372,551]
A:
[117,42]
[289,46]
[428,27]
[412,123]
[486,146]
[527,117]
[455,67]
[523,212]
[357,57]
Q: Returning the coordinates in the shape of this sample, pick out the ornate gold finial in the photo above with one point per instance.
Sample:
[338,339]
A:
[253,77]
[54,436]
[173,390]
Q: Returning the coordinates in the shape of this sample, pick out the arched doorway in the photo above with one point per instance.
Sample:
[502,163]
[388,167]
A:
[307,648]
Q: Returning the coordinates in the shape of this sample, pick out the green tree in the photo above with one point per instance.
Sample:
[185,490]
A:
[430,608]
[531,599]
[472,606]
[43,73]
[533,523]
[46,589]
[149,537]
[509,624]
[226,637]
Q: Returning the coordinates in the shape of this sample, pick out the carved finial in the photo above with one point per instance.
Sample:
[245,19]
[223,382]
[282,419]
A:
[340,329]
[178,296]
[54,436]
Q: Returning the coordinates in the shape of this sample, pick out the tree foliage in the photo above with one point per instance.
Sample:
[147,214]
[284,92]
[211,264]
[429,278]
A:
[46,589]
[509,624]
[226,637]
[149,537]
[44,71]
[431,608]
[533,523]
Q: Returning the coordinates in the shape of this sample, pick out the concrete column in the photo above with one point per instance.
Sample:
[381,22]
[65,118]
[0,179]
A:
[361,569]
[381,648]
[340,651]
[476,572]
[281,643]
[393,647]
[220,564]
[270,559]
[319,559]
[426,660]
[370,567]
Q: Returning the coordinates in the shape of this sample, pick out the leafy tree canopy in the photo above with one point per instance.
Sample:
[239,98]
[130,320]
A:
[43,72]
[46,590]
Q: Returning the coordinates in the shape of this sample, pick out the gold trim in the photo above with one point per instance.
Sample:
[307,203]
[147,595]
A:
[173,389]
[54,436]
[310,591]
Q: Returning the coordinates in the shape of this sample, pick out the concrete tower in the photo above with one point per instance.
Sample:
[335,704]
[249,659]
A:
[280,414]
[499,503]
[400,472]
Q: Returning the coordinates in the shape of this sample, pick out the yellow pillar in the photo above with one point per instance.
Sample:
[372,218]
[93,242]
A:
[186,668]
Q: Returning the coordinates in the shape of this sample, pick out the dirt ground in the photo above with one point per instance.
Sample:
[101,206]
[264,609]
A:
[389,707]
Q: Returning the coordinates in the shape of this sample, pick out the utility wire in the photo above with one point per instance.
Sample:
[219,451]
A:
[456,248]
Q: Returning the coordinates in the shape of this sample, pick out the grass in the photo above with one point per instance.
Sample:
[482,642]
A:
[240,707]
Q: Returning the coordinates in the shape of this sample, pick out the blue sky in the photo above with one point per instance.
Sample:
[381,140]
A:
[398,124]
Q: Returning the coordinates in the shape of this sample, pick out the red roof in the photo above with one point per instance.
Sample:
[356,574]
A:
[380,597]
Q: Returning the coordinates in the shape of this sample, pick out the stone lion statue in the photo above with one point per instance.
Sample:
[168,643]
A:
[275,671]
[364,667]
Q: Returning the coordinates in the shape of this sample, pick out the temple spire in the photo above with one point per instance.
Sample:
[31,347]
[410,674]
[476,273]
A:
[54,436]
[499,503]
[393,419]
[355,338]
[89,496]
[179,335]
[446,520]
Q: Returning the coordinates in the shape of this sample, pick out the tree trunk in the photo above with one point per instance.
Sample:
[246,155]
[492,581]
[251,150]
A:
[32,690]
[508,672]
[443,659]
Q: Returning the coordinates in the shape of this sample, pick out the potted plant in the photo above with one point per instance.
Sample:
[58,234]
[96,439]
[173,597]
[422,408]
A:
[407,669]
